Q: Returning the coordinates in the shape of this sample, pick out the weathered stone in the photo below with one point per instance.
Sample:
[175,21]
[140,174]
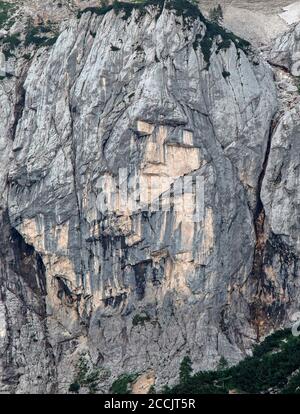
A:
[137,291]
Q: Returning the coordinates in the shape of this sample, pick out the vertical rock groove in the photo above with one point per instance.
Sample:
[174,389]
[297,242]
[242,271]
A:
[259,213]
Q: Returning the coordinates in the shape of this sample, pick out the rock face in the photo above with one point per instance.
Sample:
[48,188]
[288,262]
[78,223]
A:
[155,92]
[280,196]
[286,51]
[27,359]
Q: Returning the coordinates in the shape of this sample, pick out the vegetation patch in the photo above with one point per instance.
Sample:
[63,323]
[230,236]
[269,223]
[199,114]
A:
[10,43]
[186,370]
[6,10]
[27,56]
[40,36]
[216,14]
[114,48]
[123,7]
[140,319]
[225,74]
[189,12]
[213,31]
[273,367]
[35,35]
[122,384]
[184,8]
[86,377]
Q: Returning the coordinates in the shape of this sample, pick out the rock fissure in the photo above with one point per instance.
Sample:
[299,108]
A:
[261,239]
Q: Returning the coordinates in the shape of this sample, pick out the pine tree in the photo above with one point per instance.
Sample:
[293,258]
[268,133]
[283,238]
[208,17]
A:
[185,370]
[220,13]
[216,14]
[223,364]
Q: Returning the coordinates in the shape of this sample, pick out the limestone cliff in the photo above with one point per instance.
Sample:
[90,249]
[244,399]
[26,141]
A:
[159,91]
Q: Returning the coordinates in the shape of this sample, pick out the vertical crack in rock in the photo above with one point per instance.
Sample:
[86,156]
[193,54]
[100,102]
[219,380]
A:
[20,101]
[19,107]
[72,110]
[259,213]
[257,308]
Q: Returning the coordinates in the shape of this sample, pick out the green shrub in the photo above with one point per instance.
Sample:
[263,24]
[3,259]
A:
[216,14]
[140,319]
[184,8]
[13,41]
[9,44]
[122,7]
[223,364]
[6,10]
[36,36]
[152,390]
[293,386]
[85,377]
[26,56]
[121,385]
[225,74]
[74,387]
[185,370]
[32,37]
[114,48]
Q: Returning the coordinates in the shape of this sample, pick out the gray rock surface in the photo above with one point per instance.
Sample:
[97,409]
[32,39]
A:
[286,51]
[134,292]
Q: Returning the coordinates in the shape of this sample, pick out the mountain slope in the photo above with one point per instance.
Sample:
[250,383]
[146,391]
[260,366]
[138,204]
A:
[159,91]
[273,369]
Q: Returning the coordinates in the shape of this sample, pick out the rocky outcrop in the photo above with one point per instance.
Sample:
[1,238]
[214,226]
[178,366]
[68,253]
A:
[153,91]
[27,359]
[280,197]
[286,51]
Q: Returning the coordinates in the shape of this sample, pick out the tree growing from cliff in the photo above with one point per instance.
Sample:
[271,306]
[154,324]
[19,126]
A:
[216,14]
[223,364]
[185,370]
